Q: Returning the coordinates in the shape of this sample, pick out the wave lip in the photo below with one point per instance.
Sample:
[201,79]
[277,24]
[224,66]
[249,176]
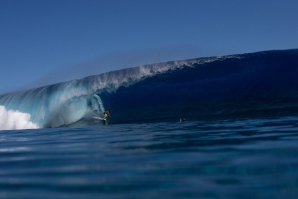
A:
[12,120]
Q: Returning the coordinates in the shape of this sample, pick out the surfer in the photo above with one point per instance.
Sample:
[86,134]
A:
[107,114]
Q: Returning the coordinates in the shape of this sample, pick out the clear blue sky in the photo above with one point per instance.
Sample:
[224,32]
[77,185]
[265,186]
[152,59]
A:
[47,41]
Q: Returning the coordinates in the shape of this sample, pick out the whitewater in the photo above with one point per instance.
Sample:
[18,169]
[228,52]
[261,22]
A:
[15,120]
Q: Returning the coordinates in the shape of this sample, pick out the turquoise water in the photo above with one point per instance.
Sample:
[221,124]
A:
[250,158]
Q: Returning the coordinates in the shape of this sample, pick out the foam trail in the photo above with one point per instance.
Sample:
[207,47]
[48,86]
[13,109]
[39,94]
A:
[11,120]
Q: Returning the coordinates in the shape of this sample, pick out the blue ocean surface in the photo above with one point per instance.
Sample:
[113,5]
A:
[228,159]
[239,140]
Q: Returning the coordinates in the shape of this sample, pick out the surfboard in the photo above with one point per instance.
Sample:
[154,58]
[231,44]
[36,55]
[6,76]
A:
[102,119]
[98,118]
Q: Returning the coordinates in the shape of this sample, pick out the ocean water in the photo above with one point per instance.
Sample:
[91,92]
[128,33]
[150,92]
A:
[145,152]
[218,159]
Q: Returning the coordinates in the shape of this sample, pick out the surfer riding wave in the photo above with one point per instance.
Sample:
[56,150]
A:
[107,114]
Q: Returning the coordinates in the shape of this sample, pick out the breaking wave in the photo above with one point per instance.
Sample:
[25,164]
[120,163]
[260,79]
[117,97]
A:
[258,84]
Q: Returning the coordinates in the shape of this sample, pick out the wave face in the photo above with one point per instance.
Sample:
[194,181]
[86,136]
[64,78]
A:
[258,84]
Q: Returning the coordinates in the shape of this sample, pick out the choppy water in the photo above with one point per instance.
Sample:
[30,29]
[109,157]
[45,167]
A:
[253,158]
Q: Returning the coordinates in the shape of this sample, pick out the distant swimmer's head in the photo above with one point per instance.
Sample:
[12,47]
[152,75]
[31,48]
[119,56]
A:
[182,119]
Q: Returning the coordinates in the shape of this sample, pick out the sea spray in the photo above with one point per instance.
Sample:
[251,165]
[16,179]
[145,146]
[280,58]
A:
[12,120]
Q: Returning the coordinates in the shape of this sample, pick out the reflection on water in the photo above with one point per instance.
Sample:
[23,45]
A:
[253,158]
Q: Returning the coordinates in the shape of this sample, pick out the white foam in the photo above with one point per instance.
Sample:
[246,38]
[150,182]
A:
[11,120]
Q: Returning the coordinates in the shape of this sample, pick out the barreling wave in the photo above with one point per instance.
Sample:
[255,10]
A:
[246,85]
